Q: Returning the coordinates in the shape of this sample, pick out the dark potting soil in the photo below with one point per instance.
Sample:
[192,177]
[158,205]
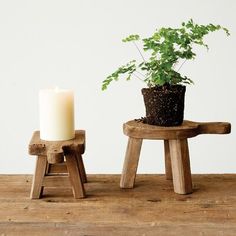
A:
[164,105]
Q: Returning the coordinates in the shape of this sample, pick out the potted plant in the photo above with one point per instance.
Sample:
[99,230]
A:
[168,49]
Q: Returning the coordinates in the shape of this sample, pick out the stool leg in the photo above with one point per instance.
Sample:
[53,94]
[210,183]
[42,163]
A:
[180,163]
[167,160]
[40,169]
[81,168]
[47,171]
[48,166]
[75,177]
[131,163]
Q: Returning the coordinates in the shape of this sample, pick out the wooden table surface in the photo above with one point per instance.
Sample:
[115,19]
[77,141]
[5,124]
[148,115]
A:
[152,208]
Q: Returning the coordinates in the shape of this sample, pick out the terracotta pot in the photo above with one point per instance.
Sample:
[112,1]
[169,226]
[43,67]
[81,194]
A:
[164,105]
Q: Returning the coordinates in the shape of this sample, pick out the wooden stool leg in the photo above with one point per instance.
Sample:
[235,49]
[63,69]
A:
[81,168]
[179,154]
[75,177]
[40,169]
[167,160]
[131,163]
[47,171]
[48,167]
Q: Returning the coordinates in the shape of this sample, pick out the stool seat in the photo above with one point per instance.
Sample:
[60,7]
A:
[56,150]
[177,163]
[57,162]
[188,129]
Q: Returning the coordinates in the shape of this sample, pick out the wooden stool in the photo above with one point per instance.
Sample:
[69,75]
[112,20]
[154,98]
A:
[56,161]
[175,145]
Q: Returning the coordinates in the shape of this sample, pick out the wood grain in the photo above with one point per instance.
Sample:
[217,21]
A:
[175,147]
[55,150]
[188,129]
[180,163]
[167,160]
[40,171]
[58,168]
[59,181]
[75,176]
[81,167]
[152,208]
[214,127]
[55,154]
[131,163]
[57,160]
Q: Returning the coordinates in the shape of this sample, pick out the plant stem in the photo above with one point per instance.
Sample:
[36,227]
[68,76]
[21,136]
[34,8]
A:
[139,51]
[181,65]
[141,74]
[138,78]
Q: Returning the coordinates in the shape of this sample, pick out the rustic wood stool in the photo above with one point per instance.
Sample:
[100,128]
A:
[57,163]
[175,145]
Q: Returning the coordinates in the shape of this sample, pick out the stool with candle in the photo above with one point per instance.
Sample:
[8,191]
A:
[57,145]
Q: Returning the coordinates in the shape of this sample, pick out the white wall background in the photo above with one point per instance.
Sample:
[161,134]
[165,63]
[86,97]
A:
[76,44]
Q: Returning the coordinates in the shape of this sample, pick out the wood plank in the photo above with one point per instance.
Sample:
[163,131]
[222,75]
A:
[131,163]
[83,229]
[152,208]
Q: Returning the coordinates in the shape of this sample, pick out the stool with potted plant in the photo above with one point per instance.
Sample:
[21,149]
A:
[168,50]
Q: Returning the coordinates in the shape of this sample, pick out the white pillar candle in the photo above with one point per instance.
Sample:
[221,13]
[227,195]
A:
[56,111]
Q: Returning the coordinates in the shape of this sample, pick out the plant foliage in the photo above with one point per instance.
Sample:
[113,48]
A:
[166,48]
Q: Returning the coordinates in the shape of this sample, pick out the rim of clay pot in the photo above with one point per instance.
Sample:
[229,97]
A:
[168,88]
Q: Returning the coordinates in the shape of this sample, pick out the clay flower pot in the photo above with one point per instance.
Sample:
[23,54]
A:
[164,105]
